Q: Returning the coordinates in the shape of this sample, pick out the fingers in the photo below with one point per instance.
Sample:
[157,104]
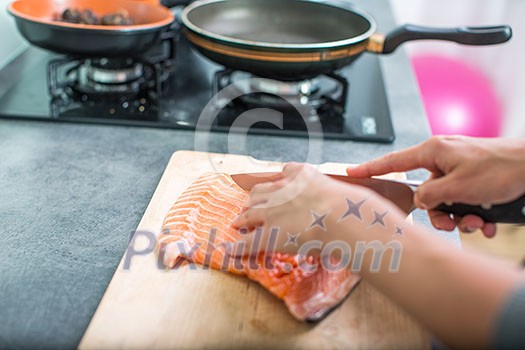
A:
[263,240]
[446,189]
[425,155]
[261,193]
[439,190]
[250,218]
[489,229]
[255,200]
[467,224]
[441,220]
[405,160]
[470,223]
[291,169]
[267,187]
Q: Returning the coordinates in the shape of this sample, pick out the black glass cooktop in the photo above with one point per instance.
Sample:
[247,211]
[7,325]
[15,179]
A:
[185,86]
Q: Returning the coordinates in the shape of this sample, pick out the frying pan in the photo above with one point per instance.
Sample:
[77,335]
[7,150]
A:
[34,19]
[303,38]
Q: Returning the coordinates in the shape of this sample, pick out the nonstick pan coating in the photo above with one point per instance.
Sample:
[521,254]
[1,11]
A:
[281,23]
[299,39]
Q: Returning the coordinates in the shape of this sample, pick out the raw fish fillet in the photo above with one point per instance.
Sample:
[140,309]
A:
[198,228]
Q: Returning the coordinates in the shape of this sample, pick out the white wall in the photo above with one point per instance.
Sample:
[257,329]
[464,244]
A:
[11,43]
[504,64]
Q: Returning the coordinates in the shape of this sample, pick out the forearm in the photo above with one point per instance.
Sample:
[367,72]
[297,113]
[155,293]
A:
[456,294]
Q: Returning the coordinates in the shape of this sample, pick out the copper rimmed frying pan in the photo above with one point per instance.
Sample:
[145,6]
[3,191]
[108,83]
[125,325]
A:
[303,38]
[34,19]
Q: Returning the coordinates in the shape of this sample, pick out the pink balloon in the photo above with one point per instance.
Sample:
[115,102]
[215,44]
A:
[459,99]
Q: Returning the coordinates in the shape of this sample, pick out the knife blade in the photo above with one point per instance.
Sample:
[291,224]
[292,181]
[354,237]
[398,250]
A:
[401,193]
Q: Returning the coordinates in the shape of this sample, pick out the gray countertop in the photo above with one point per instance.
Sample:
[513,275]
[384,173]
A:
[71,195]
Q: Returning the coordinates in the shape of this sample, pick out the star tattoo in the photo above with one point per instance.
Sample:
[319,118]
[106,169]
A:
[353,209]
[379,219]
[292,239]
[399,231]
[318,220]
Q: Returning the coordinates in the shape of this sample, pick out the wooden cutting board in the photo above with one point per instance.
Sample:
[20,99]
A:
[148,307]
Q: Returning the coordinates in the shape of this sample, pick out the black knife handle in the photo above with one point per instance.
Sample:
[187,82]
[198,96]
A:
[509,213]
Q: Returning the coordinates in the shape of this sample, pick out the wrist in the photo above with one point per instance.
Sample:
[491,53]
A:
[517,159]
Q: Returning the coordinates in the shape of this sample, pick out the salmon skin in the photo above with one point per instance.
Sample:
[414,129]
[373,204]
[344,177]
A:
[198,228]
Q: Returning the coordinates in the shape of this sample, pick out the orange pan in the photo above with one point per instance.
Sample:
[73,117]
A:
[35,21]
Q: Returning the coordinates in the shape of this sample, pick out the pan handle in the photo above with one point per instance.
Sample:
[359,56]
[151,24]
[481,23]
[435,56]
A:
[173,3]
[461,35]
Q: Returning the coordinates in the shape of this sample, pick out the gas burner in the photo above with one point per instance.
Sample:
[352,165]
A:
[319,100]
[286,88]
[83,87]
[105,71]
[126,88]
[105,76]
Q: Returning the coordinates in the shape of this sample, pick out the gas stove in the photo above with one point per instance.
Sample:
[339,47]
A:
[170,86]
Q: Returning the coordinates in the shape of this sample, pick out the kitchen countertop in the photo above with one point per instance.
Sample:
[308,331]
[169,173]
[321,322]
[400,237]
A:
[71,194]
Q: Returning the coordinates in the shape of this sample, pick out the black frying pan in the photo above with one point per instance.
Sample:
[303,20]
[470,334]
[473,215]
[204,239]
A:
[293,39]
[35,21]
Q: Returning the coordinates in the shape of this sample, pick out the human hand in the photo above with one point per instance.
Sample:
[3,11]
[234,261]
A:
[463,170]
[303,202]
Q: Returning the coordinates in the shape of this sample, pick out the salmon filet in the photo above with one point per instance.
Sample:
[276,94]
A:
[198,228]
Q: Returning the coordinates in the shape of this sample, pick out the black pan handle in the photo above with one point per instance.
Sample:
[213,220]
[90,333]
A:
[509,213]
[461,35]
[173,3]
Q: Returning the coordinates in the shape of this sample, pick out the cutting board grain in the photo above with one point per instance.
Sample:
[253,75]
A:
[147,307]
